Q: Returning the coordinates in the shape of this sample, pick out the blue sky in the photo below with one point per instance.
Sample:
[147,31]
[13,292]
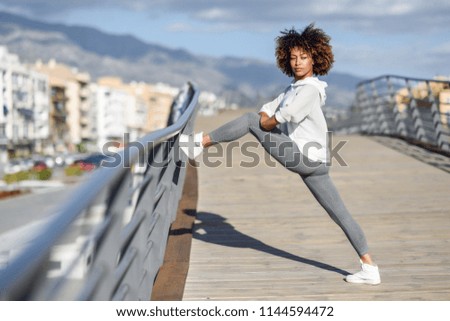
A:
[370,38]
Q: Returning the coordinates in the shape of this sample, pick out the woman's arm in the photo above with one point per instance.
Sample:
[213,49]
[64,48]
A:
[270,107]
[267,123]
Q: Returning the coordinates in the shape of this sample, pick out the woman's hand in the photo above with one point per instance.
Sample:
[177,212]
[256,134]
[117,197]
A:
[267,123]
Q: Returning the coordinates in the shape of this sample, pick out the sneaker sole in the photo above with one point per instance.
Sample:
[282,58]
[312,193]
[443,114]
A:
[359,281]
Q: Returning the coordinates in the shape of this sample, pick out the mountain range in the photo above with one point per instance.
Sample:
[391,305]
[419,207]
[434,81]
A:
[246,82]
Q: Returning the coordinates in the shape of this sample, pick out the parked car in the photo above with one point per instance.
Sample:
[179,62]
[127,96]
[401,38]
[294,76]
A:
[13,166]
[27,163]
[90,162]
[39,166]
[49,161]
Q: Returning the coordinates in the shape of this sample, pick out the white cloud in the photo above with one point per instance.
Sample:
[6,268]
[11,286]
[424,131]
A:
[374,16]
[442,49]
[214,14]
[180,27]
[416,60]
[373,36]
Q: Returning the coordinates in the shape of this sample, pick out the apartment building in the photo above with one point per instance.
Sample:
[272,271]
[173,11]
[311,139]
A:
[24,124]
[110,115]
[210,104]
[41,108]
[148,105]
[134,107]
[159,98]
[52,108]
[69,120]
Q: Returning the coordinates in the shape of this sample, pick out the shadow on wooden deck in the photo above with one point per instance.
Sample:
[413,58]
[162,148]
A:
[211,228]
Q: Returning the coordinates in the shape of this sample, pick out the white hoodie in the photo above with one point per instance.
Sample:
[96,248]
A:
[299,107]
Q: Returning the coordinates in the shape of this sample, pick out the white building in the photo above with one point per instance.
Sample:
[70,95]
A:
[4,103]
[210,104]
[41,106]
[158,99]
[133,100]
[136,117]
[24,126]
[110,115]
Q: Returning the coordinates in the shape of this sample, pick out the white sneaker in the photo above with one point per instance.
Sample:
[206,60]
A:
[369,274]
[191,145]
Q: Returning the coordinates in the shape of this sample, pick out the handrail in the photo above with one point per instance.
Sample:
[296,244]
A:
[404,107]
[400,77]
[125,201]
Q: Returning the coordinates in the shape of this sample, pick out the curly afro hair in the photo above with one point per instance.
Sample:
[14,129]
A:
[313,40]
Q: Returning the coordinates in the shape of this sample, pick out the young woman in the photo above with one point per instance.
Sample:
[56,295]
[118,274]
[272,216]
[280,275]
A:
[299,143]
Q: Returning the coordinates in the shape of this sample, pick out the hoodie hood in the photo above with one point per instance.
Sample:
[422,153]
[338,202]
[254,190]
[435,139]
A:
[319,84]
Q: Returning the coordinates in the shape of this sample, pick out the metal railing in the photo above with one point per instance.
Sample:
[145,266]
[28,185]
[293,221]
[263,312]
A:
[107,241]
[411,108]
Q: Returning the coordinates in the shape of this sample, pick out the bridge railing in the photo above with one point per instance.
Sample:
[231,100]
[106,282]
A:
[107,241]
[411,108]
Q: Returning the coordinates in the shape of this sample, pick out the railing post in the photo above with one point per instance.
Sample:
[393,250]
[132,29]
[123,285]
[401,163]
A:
[367,110]
[380,123]
[400,127]
[419,131]
[436,117]
[359,107]
[373,103]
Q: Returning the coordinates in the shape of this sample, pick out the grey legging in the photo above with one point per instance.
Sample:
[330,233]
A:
[314,174]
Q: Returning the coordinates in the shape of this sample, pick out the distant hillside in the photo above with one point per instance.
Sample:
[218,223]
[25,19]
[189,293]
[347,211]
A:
[247,82]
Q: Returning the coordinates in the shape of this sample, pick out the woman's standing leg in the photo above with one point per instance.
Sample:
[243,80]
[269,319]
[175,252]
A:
[324,190]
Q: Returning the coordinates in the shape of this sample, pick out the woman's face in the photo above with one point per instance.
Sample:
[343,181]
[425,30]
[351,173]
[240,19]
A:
[301,63]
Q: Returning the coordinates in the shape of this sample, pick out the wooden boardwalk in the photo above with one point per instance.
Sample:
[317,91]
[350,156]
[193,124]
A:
[260,235]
